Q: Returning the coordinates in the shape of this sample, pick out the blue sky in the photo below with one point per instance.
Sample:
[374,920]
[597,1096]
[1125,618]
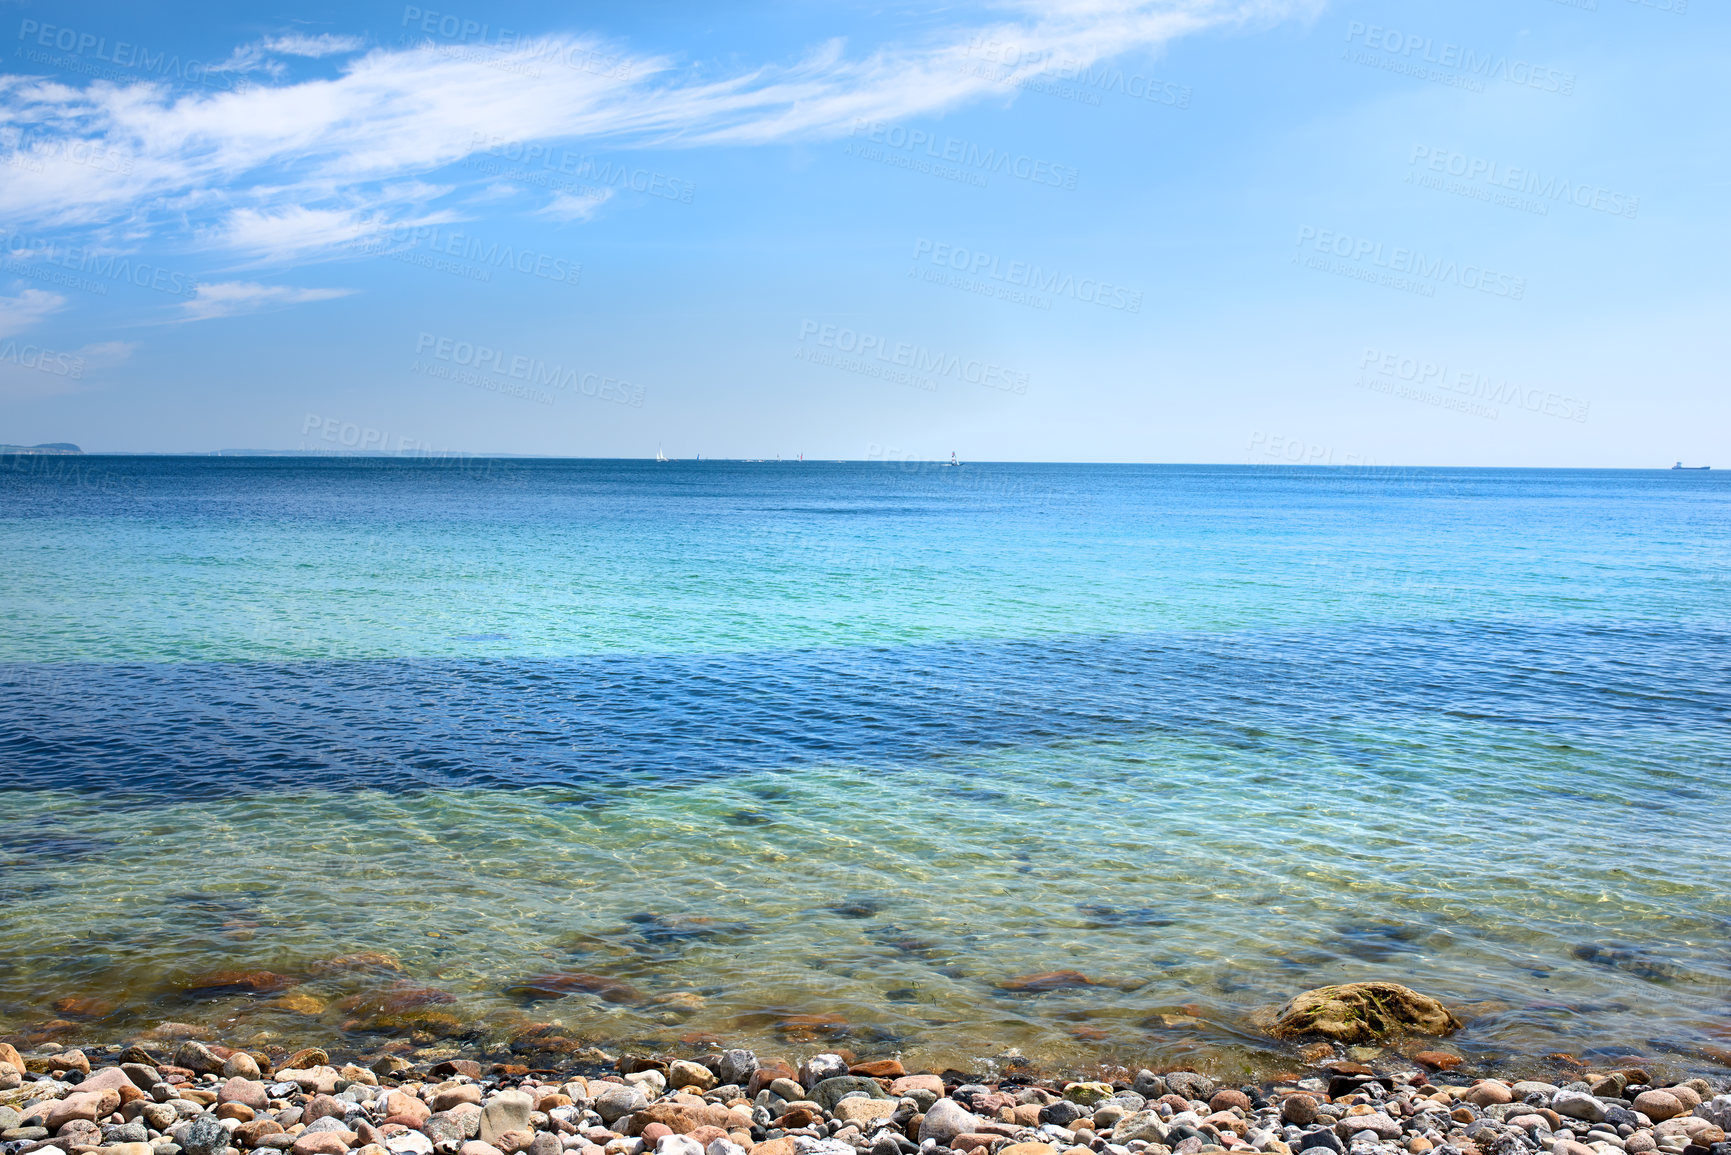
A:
[1093,230]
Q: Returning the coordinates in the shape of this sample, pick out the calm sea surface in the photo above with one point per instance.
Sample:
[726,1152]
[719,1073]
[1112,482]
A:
[782,754]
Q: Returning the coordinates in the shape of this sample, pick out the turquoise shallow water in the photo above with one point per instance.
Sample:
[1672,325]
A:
[782,754]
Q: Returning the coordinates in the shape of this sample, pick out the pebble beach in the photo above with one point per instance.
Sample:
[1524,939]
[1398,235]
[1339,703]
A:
[160,1097]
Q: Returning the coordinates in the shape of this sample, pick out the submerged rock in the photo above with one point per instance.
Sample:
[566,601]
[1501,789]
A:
[1362,1013]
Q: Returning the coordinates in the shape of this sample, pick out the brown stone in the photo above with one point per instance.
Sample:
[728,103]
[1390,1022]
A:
[968,1141]
[308,1057]
[323,1143]
[1658,1105]
[782,1146]
[401,1105]
[1361,1013]
[320,1106]
[116,1080]
[83,1007]
[707,1135]
[769,1073]
[1227,1098]
[1486,1092]
[909,1083]
[555,986]
[447,1096]
[878,1069]
[1438,1060]
[811,1028]
[221,984]
[297,1003]
[248,1134]
[796,1117]
[239,1112]
[655,1132]
[88,1105]
[1298,1109]
[448,1067]
[1027,1149]
[1046,981]
[681,1118]
[254,1095]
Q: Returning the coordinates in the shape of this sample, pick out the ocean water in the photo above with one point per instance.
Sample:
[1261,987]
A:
[796,755]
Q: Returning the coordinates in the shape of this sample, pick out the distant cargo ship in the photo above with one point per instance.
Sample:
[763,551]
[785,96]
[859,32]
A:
[1680,465]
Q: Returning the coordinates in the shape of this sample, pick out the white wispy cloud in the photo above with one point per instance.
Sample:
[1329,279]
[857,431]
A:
[230,298]
[296,167]
[258,54]
[571,207]
[26,310]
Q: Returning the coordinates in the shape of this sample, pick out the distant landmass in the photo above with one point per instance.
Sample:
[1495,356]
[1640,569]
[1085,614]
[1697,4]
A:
[46,447]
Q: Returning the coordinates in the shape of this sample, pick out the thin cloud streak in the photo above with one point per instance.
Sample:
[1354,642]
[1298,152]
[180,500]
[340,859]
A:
[299,167]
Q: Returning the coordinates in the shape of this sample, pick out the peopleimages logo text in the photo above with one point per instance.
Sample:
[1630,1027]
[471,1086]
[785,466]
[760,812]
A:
[82,47]
[531,371]
[967,155]
[914,358]
[42,360]
[1523,180]
[1467,383]
[1028,276]
[1410,264]
[1415,50]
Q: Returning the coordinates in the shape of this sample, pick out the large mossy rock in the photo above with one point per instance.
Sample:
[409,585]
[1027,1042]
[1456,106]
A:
[1362,1013]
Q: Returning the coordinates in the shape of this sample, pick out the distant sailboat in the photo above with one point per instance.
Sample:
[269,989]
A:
[952,462]
[660,456]
[1680,465]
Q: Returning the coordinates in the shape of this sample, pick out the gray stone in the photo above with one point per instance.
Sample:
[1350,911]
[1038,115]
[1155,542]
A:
[1107,1115]
[202,1136]
[507,1111]
[735,1066]
[195,1056]
[1579,1105]
[946,1120]
[678,1145]
[789,1090]
[1149,1085]
[158,1116]
[10,1118]
[325,1123]
[133,1132]
[1062,1113]
[617,1101]
[1190,1085]
[806,1145]
[1376,1123]
[1322,1138]
[820,1067]
[443,1126]
[828,1092]
[1144,1125]
[1717,1111]
[1532,1086]
[1129,1100]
